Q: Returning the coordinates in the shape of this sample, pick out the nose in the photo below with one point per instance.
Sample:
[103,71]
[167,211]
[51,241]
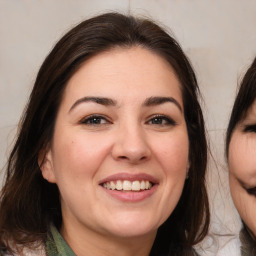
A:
[131,145]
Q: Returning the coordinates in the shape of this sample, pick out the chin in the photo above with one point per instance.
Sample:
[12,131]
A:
[132,228]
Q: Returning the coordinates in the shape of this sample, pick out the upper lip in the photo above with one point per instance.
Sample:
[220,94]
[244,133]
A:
[130,177]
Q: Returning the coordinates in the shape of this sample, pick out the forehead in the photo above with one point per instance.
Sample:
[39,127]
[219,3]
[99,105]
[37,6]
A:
[125,70]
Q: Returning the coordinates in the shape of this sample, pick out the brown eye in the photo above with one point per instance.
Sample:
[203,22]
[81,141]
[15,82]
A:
[94,120]
[161,120]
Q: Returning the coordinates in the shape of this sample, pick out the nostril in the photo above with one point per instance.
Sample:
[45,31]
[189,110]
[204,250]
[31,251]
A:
[130,151]
[133,159]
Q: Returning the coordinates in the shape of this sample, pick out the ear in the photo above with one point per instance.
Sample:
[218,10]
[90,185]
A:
[45,162]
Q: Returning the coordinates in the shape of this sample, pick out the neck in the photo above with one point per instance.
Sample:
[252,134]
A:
[84,241]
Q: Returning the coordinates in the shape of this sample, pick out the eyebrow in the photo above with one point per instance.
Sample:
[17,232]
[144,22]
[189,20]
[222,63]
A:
[98,100]
[152,101]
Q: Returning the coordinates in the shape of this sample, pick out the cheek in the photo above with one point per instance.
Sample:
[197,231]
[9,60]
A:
[173,153]
[235,189]
[78,155]
[242,160]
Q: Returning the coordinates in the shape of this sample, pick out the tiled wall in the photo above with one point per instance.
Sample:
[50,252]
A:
[218,36]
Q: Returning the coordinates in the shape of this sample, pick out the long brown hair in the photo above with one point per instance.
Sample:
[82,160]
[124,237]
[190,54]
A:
[29,203]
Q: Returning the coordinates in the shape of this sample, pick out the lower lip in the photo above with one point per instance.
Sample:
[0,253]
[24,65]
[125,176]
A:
[132,196]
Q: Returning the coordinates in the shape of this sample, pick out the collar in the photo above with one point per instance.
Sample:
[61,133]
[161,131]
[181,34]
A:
[56,245]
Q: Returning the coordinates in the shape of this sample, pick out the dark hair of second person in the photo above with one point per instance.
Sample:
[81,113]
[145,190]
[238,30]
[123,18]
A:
[240,153]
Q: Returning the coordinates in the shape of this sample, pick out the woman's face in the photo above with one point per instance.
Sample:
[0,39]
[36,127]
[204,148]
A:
[242,168]
[119,154]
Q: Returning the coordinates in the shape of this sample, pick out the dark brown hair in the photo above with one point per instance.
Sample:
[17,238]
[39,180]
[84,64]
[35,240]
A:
[244,99]
[29,203]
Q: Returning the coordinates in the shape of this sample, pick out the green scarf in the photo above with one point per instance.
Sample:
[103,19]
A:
[56,245]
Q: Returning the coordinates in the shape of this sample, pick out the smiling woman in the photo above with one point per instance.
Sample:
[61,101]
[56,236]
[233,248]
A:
[240,150]
[111,155]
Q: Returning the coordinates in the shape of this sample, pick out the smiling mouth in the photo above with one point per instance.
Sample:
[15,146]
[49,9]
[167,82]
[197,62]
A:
[128,186]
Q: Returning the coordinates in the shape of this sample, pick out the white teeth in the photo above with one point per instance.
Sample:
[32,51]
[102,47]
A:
[136,185]
[142,185]
[112,185]
[119,185]
[148,185]
[127,185]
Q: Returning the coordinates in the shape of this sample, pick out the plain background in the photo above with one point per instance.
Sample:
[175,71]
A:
[218,36]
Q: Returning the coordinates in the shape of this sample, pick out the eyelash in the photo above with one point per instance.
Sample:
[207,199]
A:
[250,128]
[90,119]
[168,120]
[96,119]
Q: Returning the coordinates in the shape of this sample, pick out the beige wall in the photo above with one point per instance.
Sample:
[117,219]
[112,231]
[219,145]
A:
[218,36]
